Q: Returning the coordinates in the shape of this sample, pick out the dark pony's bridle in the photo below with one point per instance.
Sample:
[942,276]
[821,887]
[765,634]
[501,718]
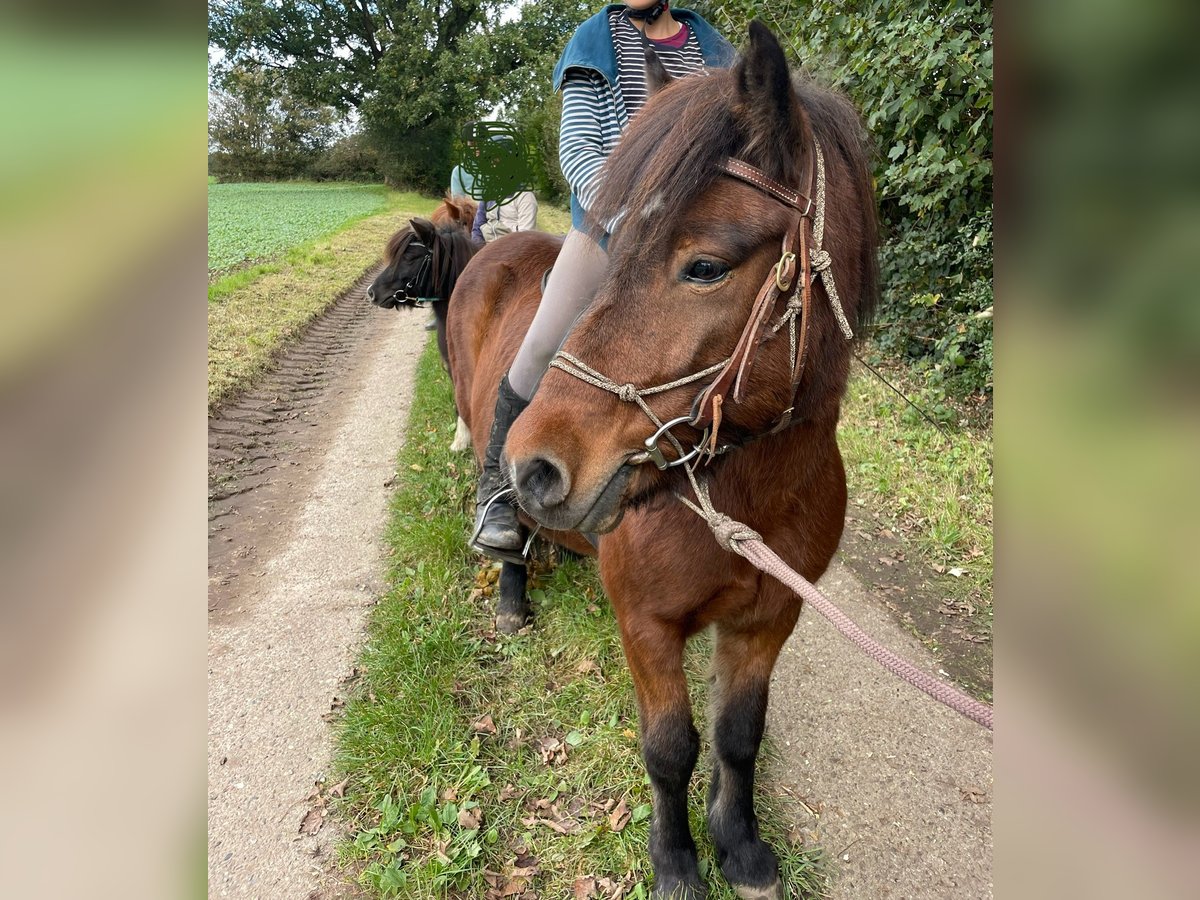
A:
[408,293]
[801,242]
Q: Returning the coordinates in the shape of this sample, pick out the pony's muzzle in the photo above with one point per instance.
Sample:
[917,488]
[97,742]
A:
[543,484]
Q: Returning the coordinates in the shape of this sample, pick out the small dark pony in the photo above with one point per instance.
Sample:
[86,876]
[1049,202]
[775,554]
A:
[424,261]
[696,279]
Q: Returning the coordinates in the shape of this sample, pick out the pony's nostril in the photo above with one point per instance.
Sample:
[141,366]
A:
[371,293]
[543,481]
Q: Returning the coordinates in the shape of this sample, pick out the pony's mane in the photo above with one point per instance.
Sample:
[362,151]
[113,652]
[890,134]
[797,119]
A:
[669,156]
[451,253]
[397,244]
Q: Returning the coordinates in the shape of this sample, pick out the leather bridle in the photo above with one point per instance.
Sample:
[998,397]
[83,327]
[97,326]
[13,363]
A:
[731,374]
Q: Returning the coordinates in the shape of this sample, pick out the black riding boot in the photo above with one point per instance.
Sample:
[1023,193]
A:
[497,532]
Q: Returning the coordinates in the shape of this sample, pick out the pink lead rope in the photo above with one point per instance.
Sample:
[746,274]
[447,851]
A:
[764,558]
[748,543]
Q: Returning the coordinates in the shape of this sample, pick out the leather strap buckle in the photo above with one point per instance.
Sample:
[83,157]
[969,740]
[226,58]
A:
[785,270]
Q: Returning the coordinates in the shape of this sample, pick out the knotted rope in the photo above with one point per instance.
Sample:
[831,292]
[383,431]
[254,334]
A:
[822,265]
[628,392]
[747,543]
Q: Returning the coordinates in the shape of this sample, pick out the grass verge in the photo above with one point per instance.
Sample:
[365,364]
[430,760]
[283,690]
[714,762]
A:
[480,765]
[254,312]
[553,219]
[934,491]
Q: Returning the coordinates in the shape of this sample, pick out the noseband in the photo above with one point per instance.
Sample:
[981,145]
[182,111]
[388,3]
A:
[802,241]
[411,285]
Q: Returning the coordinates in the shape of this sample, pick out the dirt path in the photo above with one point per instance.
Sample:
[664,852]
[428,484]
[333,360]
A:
[299,474]
[894,787]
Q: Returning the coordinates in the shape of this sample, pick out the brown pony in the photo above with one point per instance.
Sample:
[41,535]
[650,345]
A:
[695,253]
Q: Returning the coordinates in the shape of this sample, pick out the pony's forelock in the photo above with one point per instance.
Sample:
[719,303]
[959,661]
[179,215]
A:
[666,161]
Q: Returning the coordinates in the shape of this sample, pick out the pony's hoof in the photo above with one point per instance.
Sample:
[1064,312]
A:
[510,623]
[678,890]
[773,892]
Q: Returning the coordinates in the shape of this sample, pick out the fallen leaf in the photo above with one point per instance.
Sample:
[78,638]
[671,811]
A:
[417,467]
[562,827]
[484,725]
[525,860]
[939,568]
[887,560]
[313,819]
[973,794]
[552,751]
[514,886]
[450,795]
[508,792]
[587,666]
[585,887]
[619,817]
[958,572]
[469,819]
[339,789]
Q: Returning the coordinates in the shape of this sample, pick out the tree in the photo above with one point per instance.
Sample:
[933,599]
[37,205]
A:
[409,67]
[259,129]
[414,70]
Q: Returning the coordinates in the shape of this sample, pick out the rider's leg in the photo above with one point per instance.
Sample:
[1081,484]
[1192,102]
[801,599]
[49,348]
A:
[571,287]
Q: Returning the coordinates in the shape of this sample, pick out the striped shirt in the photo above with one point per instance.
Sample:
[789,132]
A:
[631,59]
[595,113]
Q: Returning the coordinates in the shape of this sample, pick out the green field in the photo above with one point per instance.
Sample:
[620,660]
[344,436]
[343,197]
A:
[256,221]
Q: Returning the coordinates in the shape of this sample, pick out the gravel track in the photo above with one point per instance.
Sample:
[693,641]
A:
[894,787]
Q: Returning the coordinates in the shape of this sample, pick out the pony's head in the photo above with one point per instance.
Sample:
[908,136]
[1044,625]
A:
[692,254]
[425,258]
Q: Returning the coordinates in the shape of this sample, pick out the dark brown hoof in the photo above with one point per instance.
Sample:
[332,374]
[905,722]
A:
[510,623]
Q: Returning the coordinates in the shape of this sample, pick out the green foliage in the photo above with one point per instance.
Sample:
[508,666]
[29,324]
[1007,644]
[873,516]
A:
[252,221]
[259,129]
[530,47]
[352,158]
[420,157]
[414,70]
[921,72]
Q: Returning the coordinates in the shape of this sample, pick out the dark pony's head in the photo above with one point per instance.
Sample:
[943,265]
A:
[692,251]
[425,258]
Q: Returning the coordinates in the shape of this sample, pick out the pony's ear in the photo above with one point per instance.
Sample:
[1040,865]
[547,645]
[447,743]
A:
[424,231]
[657,76]
[766,99]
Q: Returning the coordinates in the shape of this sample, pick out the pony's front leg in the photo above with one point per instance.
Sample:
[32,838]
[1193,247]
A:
[742,662]
[670,745]
[512,610]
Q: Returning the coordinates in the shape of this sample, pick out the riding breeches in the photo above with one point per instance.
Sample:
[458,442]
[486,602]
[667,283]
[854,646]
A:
[573,283]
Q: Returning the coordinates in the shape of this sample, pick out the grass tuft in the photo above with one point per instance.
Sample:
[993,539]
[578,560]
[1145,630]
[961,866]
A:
[443,802]
[934,490]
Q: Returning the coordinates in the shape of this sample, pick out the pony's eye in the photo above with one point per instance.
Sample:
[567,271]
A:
[705,271]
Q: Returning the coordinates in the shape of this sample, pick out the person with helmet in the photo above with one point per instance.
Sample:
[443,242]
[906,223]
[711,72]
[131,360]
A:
[602,76]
